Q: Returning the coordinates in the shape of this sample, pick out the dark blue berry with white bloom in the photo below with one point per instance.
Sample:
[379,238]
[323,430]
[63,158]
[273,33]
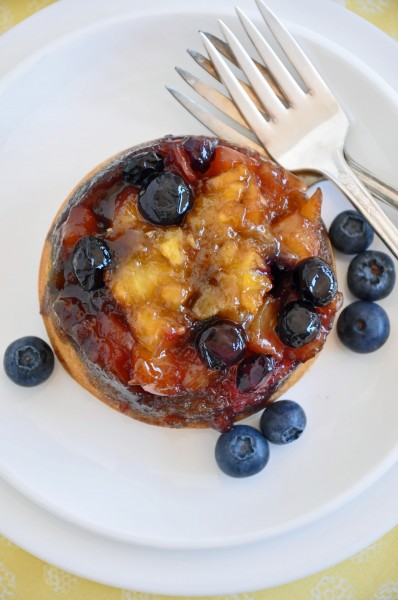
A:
[28,361]
[242,451]
[283,422]
[350,232]
[363,326]
[371,275]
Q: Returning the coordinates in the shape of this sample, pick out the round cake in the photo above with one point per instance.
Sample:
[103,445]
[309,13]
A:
[187,282]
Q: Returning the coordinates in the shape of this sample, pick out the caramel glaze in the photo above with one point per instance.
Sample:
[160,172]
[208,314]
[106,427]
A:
[97,326]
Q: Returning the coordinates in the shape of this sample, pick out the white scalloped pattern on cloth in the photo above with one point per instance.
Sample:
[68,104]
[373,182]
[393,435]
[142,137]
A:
[127,595]
[333,588]
[35,5]
[388,591]
[371,7]
[7,583]
[6,20]
[367,554]
[382,13]
[59,581]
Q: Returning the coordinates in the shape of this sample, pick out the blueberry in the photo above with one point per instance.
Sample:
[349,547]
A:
[90,258]
[142,166]
[350,232]
[371,275]
[315,280]
[28,361]
[221,343]
[200,151]
[165,200]
[252,371]
[242,452]
[363,326]
[298,324]
[283,422]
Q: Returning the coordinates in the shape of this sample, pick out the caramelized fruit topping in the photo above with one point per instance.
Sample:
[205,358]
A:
[194,244]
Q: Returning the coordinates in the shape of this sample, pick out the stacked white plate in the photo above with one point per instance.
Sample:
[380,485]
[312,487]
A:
[143,507]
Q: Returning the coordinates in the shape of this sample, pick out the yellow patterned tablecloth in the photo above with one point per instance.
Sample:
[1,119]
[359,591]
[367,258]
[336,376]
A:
[372,574]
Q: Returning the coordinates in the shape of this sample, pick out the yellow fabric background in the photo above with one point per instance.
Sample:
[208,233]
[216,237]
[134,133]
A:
[372,574]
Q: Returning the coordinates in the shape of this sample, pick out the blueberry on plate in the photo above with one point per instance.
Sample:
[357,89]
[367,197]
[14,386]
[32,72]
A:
[350,232]
[371,275]
[200,151]
[315,280]
[142,166]
[90,258]
[242,451]
[283,422]
[252,371]
[165,200]
[28,361]
[221,343]
[298,324]
[363,326]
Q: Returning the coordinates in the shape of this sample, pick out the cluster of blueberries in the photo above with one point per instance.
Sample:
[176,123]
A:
[244,451]
[363,326]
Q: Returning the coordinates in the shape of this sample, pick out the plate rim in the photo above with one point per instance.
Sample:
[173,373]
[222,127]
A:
[361,487]
[317,557]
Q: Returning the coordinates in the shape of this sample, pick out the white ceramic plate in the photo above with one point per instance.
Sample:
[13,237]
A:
[203,572]
[66,109]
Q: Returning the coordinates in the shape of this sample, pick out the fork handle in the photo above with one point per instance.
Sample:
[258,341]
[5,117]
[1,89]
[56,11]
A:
[379,189]
[342,175]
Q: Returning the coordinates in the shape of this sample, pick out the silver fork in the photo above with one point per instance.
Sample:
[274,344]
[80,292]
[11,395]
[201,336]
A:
[378,188]
[308,131]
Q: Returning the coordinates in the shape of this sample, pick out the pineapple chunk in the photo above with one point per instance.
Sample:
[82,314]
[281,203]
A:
[240,285]
[232,214]
[220,299]
[226,254]
[172,247]
[153,329]
[174,294]
[126,217]
[254,203]
[136,281]
[251,274]
[312,208]
[261,331]
[297,236]
[229,185]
